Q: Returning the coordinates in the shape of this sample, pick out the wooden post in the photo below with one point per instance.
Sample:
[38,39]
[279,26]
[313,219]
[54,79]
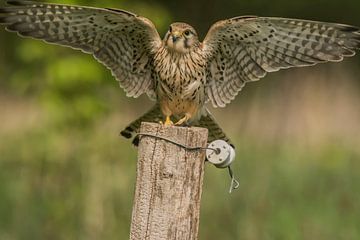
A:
[169,184]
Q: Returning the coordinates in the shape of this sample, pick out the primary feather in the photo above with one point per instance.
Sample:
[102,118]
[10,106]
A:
[120,40]
[245,49]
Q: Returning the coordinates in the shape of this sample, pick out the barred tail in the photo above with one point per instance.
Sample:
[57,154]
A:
[215,131]
[154,115]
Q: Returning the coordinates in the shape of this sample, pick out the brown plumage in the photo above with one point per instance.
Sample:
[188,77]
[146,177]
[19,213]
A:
[179,72]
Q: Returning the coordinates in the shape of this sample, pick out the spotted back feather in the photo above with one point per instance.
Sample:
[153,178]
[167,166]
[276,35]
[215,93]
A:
[245,49]
[122,41]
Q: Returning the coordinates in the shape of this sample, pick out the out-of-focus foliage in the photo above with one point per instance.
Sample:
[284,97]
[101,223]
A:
[65,173]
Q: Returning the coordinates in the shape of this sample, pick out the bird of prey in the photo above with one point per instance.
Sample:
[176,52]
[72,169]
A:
[180,72]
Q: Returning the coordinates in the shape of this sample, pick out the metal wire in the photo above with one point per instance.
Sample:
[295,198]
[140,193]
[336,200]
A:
[217,151]
[234,183]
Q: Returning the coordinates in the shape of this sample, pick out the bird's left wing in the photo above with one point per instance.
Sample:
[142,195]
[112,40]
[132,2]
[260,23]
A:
[122,41]
[244,49]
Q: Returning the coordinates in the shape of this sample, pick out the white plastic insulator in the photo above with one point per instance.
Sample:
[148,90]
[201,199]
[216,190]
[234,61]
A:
[223,156]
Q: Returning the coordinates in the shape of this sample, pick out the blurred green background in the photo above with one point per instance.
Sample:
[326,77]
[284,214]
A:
[66,174]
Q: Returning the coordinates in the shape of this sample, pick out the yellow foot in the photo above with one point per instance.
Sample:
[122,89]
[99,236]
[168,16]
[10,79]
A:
[168,122]
[181,121]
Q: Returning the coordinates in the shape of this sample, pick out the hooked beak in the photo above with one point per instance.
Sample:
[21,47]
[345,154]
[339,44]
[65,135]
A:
[175,36]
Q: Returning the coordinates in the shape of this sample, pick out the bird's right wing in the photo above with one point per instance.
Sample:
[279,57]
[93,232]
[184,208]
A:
[245,49]
[122,41]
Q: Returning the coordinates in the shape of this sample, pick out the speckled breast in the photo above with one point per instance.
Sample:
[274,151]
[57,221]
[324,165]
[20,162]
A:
[180,82]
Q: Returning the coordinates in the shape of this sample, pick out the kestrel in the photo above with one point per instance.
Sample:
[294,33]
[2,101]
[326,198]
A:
[180,72]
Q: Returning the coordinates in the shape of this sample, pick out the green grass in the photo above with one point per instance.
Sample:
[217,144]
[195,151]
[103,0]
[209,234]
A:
[285,196]
[78,184]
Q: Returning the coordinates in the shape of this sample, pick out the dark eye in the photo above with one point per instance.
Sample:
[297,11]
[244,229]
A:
[187,33]
[170,29]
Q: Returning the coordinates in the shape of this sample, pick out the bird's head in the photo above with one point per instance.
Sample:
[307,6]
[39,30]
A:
[181,38]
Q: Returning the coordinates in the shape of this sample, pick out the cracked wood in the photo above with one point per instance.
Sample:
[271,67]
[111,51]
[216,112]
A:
[169,184]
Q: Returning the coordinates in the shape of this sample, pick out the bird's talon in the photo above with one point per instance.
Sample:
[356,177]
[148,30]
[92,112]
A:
[181,121]
[178,123]
[167,122]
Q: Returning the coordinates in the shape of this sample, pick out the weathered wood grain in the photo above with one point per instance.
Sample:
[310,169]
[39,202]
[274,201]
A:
[169,184]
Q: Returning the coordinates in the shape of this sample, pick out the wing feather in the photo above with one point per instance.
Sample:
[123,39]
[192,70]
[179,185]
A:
[245,49]
[123,42]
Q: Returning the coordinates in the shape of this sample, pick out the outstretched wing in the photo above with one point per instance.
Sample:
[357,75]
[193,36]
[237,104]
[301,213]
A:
[122,41]
[244,49]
